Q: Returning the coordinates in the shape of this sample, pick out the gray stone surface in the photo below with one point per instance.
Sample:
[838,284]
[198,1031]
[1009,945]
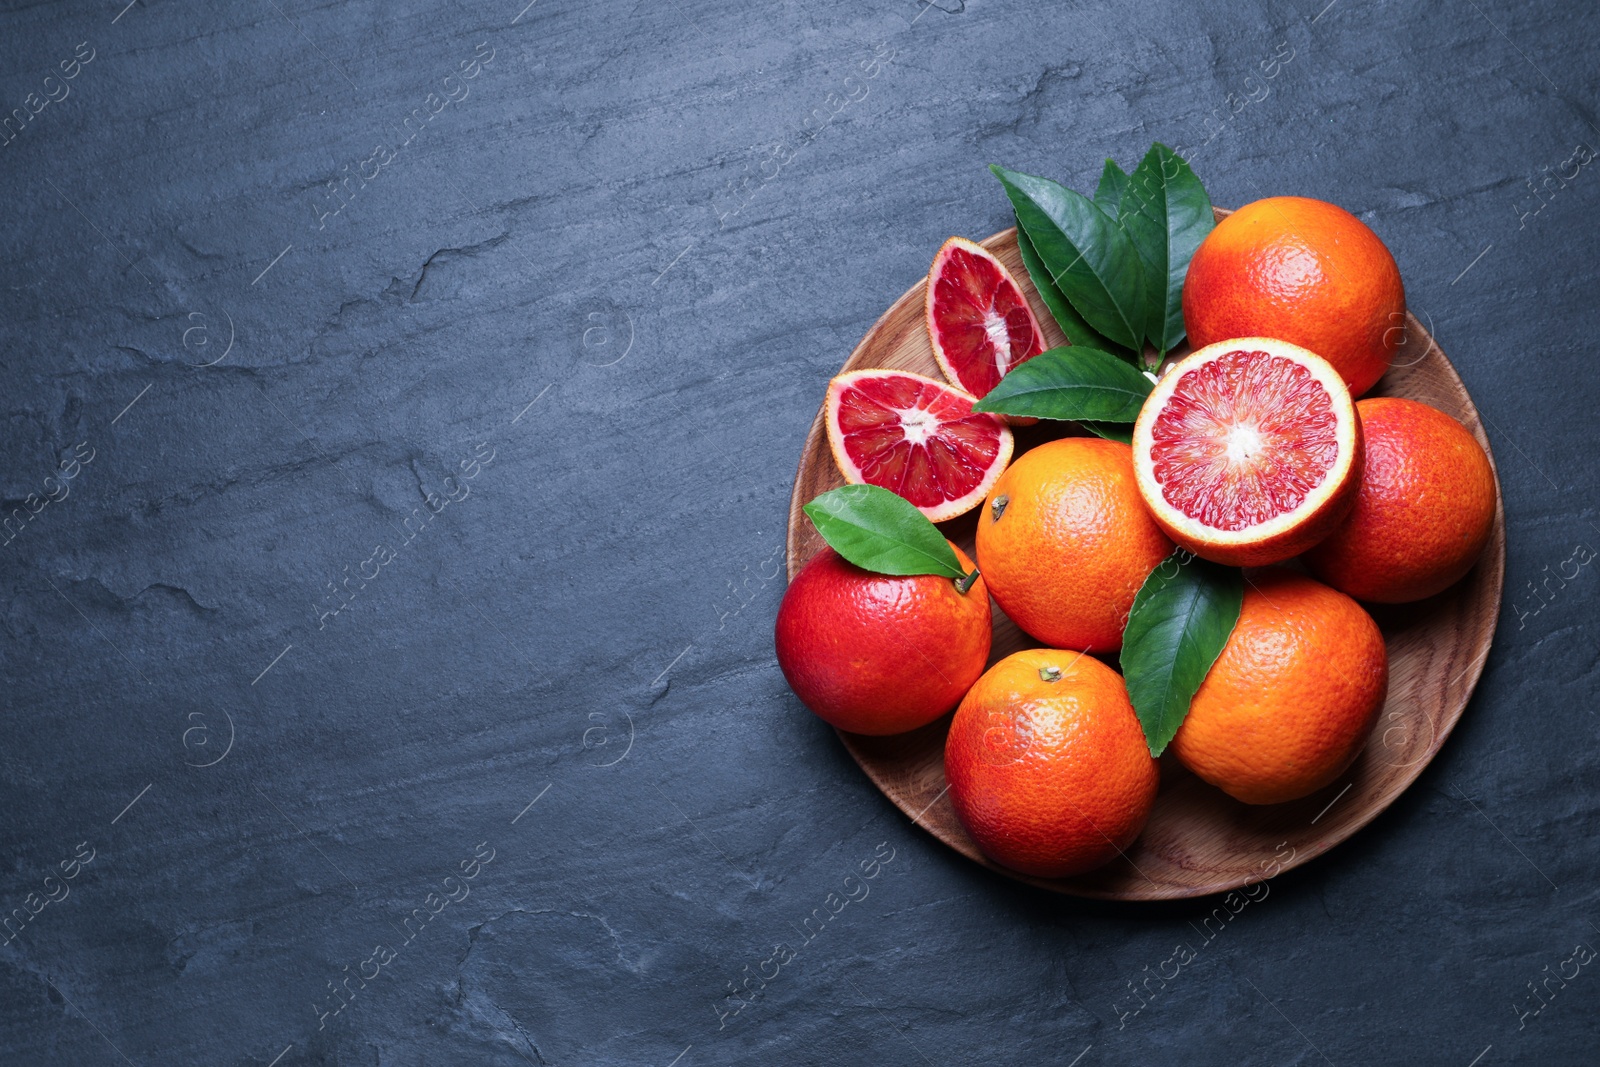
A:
[586,304]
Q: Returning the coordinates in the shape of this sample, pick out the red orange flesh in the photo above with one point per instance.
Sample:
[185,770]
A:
[915,437]
[979,321]
[1246,451]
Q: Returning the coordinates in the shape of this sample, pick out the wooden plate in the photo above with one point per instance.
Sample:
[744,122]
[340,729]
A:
[1199,840]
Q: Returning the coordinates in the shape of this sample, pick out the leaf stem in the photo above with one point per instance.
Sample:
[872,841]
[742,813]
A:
[965,584]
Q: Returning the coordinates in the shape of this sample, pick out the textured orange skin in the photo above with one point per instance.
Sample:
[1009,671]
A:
[1290,702]
[1425,509]
[1304,271]
[1073,545]
[1050,778]
[879,654]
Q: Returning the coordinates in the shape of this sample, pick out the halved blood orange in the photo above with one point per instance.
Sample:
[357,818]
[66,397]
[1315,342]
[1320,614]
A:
[1248,451]
[979,322]
[916,437]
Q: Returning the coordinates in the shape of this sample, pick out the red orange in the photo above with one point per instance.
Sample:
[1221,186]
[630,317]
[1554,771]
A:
[979,323]
[1047,765]
[1424,511]
[879,654]
[1290,701]
[1246,451]
[1303,271]
[916,437]
[1065,542]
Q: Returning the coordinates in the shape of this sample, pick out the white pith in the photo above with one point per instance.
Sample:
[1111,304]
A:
[1243,440]
[1000,337]
[917,425]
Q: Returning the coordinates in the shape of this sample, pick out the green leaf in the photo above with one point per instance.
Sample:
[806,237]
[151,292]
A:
[1078,332]
[1089,258]
[1108,194]
[1180,621]
[1073,382]
[881,531]
[1111,431]
[1166,213]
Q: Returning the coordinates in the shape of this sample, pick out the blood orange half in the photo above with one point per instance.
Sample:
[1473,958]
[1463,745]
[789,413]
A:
[979,322]
[1247,452]
[916,437]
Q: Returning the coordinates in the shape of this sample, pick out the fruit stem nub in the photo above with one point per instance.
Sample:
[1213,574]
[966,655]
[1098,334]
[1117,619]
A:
[1050,674]
[998,506]
[964,584]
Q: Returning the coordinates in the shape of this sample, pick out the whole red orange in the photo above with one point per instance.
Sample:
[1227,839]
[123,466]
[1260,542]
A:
[1289,703]
[1065,542]
[1303,271]
[876,653]
[1047,764]
[1424,510]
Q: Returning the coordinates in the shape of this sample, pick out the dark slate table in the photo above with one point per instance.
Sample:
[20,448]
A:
[401,403]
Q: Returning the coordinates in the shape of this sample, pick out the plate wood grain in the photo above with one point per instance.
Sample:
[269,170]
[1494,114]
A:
[1199,840]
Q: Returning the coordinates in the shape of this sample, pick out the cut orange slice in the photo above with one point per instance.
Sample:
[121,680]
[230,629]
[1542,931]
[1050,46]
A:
[1247,452]
[916,437]
[979,322]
